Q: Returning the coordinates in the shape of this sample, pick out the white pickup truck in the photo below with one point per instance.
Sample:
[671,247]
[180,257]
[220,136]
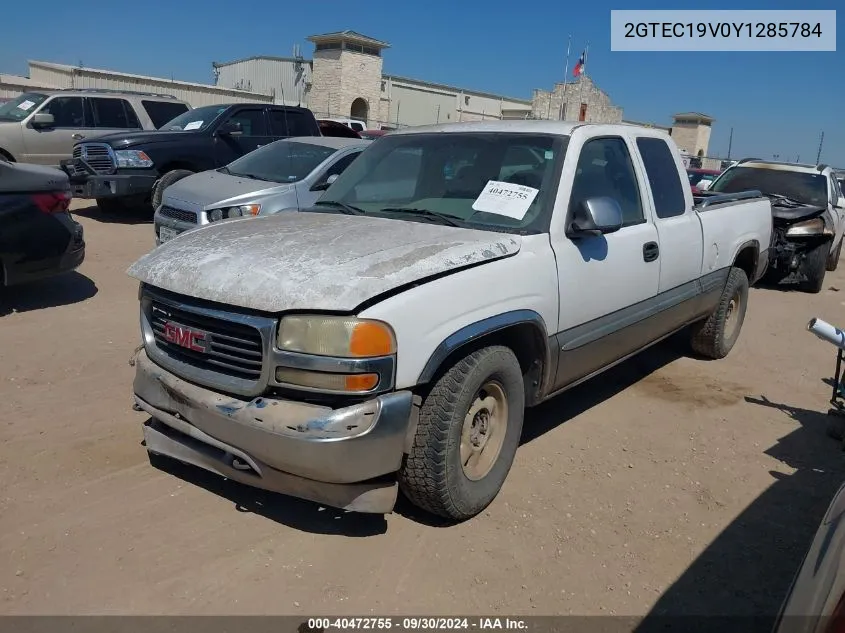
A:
[392,336]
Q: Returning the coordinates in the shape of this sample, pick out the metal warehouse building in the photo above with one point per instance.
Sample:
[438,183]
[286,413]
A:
[47,75]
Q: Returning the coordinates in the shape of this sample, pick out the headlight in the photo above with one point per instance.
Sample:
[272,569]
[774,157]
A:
[808,227]
[233,212]
[130,158]
[345,337]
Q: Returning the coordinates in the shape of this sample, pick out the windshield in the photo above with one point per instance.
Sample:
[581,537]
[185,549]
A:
[196,119]
[494,181]
[21,107]
[282,161]
[806,188]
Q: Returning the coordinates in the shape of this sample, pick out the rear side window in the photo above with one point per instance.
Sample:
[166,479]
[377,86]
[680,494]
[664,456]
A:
[113,113]
[663,178]
[290,123]
[67,112]
[358,127]
[160,112]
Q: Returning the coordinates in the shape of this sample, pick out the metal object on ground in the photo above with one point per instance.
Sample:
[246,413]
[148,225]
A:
[833,335]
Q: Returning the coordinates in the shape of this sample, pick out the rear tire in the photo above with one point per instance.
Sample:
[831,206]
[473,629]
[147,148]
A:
[164,182]
[467,435]
[814,267]
[833,260]
[715,336]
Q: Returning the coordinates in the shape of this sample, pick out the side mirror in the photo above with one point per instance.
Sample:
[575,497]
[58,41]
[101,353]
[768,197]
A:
[230,128]
[595,216]
[325,185]
[43,119]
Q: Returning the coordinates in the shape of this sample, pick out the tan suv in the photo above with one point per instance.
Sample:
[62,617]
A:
[41,127]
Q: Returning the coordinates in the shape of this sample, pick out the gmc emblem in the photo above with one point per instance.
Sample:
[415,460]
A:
[183,336]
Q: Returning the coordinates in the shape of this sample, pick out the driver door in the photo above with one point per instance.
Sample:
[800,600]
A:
[254,134]
[607,283]
[837,209]
[72,122]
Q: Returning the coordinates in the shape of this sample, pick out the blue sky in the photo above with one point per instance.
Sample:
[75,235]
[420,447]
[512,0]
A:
[777,103]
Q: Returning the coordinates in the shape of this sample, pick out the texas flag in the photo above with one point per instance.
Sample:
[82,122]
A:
[579,67]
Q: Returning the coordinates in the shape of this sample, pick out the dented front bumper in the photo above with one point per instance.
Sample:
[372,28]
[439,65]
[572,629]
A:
[345,458]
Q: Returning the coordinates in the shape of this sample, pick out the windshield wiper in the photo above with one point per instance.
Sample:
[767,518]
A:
[786,199]
[250,176]
[434,216]
[348,209]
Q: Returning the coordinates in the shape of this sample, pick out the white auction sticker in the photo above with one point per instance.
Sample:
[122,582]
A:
[193,125]
[505,198]
[25,105]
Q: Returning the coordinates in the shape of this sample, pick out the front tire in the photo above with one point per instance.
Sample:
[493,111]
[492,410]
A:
[164,182]
[467,435]
[715,336]
[814,267]
[833,260]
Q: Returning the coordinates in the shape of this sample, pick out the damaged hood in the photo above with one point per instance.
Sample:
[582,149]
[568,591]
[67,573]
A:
[787,214]
[312,261]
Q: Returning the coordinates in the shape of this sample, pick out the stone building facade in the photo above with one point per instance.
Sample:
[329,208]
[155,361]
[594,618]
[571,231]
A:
[346,75]
[691,131]
[579,100]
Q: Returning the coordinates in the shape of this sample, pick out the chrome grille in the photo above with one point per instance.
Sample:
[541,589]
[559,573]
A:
[234,349]
[98,156]
[178,214]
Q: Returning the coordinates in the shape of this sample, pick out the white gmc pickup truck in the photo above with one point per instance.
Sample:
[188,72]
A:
[392,336]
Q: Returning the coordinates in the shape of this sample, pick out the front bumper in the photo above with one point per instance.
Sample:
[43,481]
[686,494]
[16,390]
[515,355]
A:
[180,226]
[111,186]
[279,445]
[787,253]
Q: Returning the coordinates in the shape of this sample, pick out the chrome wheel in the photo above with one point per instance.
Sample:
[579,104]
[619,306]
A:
[483,432]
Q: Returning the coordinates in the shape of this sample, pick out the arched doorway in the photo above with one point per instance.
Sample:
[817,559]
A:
[359,109]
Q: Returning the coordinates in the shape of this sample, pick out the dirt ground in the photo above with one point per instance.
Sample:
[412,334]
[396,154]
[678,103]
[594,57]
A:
[667,485]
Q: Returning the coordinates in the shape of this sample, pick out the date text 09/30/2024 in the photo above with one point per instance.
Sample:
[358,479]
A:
[415,624]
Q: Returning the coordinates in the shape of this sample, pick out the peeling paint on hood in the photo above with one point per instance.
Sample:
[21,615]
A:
[312,261]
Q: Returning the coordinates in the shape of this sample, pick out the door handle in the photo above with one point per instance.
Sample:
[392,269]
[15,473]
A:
[650,251]
[77,136]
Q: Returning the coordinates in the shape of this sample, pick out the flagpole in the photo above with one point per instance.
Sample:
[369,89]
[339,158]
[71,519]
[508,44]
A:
[584,74]
[561,110]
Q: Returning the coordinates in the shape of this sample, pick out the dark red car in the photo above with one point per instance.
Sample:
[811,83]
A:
[373,134]
[696,176]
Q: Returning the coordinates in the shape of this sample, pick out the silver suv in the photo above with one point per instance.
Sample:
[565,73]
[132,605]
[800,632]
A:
[41,127]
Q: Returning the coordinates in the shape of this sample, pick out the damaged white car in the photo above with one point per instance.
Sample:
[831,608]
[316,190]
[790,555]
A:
[392,335]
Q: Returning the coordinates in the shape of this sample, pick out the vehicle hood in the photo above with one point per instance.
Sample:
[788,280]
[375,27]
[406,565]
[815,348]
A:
[122,140]
[788,215]
[212,189]
[312,261]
